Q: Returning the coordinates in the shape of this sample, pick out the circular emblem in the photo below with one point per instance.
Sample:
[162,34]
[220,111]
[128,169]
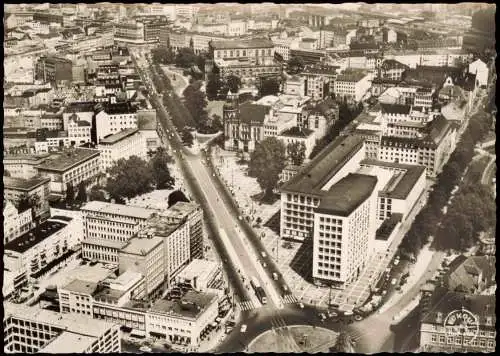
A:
[462,323]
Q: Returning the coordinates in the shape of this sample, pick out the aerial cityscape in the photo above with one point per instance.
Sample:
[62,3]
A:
[264,177]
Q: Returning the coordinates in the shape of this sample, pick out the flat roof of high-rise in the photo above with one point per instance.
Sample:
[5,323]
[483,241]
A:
[323,167]
[68,159]
[24,184]
[347,194]
[117,137]
[119,209]
[31,238]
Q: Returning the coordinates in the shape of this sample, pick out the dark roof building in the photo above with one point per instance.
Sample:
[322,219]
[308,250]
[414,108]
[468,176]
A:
[347,194]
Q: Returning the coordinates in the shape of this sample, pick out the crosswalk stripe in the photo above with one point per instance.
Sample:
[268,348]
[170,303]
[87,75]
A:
[289,299]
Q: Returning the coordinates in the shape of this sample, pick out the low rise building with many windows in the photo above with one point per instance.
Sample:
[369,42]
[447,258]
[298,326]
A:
[70,166]
[35,189]
[352,84]
[31,329]
[126,143]
[113,118]
[15,222]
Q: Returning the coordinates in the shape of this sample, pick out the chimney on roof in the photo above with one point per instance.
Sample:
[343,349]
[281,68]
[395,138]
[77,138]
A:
[439,317]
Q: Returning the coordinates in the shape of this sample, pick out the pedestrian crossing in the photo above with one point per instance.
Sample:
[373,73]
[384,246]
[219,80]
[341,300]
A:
[247,305]
[289,299]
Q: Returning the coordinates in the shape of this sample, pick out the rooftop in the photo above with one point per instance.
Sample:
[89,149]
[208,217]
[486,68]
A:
[347,194]
[252,43]
[351,76]
[117,137]
[191,305]
[463,272]
[68,342]
[324,166]
[159,225]
[118,209]
[24,184]
[401,184]
[443,302]
[31,238]
[395,109]
[68,159]
[141,246]
[198,268]
[119,108]
[249,112]
[70,323]
[180,210]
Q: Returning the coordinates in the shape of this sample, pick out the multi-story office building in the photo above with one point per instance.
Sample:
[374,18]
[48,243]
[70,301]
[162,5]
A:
[108,227]
[352,84]
[15,222]
[113,118]
[392,69]
[36,252]
[320,81]
[344,229]
[31,329]
[247,59]
[193,214]
[23,165]
[53,69]
[71,166]
[439,328]
[35,189]
[321,116]
[302,194]
[145,254]
[126,143]
[129,32]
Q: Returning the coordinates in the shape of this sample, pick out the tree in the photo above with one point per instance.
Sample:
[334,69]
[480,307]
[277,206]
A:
[234,83]
[129,178]
[164,55]
[175,197]
[96,193]
[159,166]
[297,152]
[214,85]
[82,192]
[185,58]
[267,162]
[70,193]
[269,86]
[195,102]
[217,124]
[295,65]
[187,137]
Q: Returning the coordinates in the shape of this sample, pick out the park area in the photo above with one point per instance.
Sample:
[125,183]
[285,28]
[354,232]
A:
[306,338]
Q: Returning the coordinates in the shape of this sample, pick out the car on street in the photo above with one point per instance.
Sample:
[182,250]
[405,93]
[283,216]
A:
[263,254]
[301,305]
[275,276]
[145,349]
[322,316]
[332,314]
[394,281]
[264,264]
[243,328]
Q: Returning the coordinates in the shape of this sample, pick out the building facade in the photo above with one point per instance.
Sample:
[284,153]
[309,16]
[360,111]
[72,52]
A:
[126,143]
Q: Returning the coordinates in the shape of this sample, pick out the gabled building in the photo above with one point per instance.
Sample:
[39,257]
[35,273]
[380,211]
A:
[392,69]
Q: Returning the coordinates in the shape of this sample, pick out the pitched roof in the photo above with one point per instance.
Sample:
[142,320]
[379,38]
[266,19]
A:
[347,194]
[393,64]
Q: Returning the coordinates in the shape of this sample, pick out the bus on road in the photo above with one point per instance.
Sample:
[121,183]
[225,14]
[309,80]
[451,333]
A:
[259,291]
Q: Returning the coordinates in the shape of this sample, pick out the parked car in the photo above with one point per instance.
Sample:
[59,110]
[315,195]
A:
[394,281]
[145,348]
[275,276]
[301,305]
[243,328]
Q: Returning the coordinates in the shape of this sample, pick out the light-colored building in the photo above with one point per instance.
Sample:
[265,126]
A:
[23,166]
[108,227]
[299,135]
[15,222]
[352,85]
[35,252]
[114,118]
[392,69]
[36,188]
[247,59]
[480,69]
[70,166]
[302,194]
[344,229]
[126,143]
[435,335]
[201,275]
[31,330]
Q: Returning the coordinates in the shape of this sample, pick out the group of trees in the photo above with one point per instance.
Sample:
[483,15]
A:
[184,58]
[267,162]
[472,209]
[81,196]
[346,115]
[135,176]
[196,103]
[269,86]
[218,88]
[296,152]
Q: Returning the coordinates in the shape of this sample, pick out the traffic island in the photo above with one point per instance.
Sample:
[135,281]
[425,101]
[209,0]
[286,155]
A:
[305,339]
